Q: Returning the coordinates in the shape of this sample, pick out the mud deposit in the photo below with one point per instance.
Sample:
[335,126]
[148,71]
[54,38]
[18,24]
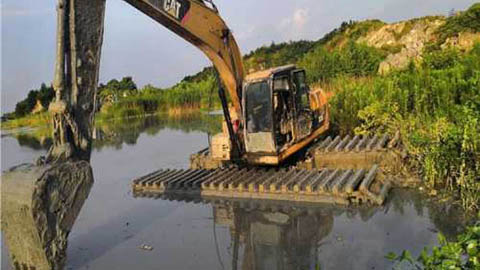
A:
[114,230]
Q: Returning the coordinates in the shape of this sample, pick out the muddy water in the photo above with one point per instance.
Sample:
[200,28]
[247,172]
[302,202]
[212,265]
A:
[113,225]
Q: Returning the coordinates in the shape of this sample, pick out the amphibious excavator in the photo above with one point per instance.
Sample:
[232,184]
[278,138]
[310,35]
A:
[273,113]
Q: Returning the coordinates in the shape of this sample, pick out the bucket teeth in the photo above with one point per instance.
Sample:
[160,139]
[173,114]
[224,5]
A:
[337,186]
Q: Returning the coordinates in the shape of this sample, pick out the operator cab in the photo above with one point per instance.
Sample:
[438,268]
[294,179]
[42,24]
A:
[278,112]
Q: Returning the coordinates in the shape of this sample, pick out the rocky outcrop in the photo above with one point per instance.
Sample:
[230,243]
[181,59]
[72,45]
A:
[405,41]
[464,41]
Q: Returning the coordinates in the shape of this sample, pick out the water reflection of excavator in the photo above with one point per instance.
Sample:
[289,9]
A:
[280,239]
[274,114]
[281,235]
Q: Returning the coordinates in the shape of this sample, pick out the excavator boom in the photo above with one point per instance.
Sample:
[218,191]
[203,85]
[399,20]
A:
[201,25]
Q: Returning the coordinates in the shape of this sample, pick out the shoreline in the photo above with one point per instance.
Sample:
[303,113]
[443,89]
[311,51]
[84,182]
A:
[42,120]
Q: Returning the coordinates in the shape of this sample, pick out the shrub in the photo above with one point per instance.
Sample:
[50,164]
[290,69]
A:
[437,109]
[354,59]
[441,59]
[467,21]
[461,254]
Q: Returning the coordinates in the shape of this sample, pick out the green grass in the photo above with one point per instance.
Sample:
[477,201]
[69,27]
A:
[31,120]
[186,96]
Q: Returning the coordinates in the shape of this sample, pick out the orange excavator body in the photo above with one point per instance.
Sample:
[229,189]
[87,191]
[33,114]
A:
[274,113]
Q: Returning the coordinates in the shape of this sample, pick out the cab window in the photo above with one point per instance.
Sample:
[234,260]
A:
[302,90]
[281,84]
[258,106]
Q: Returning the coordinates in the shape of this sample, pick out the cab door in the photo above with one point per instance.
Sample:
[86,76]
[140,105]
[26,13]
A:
[304,121]
[258,118]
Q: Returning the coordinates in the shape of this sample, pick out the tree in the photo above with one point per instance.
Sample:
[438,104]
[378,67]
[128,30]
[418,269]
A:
[45,95]
[127,83]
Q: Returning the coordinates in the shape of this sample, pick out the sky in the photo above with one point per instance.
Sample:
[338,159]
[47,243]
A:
[134,45]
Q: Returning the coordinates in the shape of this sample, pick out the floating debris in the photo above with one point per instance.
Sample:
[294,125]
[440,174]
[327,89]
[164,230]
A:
[146,247]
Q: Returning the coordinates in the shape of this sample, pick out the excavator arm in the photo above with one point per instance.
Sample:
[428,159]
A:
[201,25]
